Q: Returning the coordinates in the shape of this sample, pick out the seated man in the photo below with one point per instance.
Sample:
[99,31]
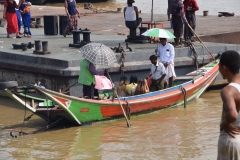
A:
[157,74]
[132,20]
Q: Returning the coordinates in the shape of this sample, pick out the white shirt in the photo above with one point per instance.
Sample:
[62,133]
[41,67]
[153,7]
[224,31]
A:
[166,53]
[159,72]
[130,14]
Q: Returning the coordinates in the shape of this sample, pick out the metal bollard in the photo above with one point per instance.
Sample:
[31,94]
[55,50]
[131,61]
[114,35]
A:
[38,45]
[45,46]
[76,36]
[86,35]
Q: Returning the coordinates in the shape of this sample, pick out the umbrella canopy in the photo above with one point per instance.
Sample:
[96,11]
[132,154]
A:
[160,33]
[98,54]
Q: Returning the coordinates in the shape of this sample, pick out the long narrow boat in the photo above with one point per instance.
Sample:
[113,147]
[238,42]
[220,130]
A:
[80,110]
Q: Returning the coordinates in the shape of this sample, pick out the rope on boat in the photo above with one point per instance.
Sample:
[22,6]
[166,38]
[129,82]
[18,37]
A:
[21,133]
[128,110]
[185,95]
[122,62]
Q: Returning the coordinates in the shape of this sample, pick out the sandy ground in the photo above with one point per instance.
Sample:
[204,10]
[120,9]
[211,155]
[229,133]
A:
[113,22]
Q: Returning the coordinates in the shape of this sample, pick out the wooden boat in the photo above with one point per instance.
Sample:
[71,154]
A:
[80,110]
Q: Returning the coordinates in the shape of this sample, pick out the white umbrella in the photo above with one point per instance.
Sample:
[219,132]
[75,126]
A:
[98,54]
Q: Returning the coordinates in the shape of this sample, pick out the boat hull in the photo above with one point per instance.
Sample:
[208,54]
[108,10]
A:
[79,110]
[86,110]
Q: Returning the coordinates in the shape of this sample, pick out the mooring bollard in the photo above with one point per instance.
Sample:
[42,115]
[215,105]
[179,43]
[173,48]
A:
[45,47]
[38,45]
[86,35]
[76,36]
[142,30]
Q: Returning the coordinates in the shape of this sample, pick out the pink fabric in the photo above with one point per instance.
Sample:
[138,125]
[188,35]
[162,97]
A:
[102,82]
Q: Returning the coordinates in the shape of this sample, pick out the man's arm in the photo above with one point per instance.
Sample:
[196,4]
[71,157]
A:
[229,106]
[136,10]
[124,11]
[66,8]
[182,14]
[195,6]
[172,53]
[77,9]
[93,70]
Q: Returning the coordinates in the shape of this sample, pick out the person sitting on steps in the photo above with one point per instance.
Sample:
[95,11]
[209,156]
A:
[132,19]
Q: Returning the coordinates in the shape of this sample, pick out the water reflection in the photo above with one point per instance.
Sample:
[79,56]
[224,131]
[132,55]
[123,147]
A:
[174,133]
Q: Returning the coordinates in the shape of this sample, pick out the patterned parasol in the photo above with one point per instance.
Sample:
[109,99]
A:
[98,54]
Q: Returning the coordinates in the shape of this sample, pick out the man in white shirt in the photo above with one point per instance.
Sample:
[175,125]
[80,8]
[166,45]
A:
[157,73]
[166,53]
[132,19]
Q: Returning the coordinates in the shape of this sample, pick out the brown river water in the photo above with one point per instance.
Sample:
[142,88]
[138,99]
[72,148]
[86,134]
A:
[169,134]
[160,6]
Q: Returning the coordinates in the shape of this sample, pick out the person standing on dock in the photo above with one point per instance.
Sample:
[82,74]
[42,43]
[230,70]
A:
[229,139]
[11,17]
[169,10]
[26,17]
[178,18]
[19,18]
[190,6]
[73,15]
[166,53]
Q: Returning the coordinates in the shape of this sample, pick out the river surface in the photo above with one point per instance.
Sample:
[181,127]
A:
[169,134]
[160,6]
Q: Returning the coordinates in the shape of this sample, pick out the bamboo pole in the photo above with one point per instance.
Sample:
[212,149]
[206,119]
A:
[200,40]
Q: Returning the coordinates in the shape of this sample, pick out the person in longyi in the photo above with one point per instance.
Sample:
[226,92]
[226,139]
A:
[190,7]
[178,18]
[166,53]
[11,17]
[229,138]
[73,15]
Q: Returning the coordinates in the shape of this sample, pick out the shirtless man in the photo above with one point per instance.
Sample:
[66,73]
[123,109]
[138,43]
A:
[229,139]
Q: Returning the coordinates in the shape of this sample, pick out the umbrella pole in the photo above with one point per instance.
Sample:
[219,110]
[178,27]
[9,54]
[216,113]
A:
[128,124]
[200,40]
[152,12]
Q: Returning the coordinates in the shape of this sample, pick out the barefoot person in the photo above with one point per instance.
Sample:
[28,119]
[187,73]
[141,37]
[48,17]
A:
[73,15]
[190,6]
[166,53]
[229,139]
[178,17]
[11,17]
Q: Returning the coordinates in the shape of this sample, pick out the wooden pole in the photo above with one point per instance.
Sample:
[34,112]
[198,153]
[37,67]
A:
[128,124]
[200,40]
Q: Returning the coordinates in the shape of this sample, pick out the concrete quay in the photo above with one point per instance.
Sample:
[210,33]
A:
[60,69]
